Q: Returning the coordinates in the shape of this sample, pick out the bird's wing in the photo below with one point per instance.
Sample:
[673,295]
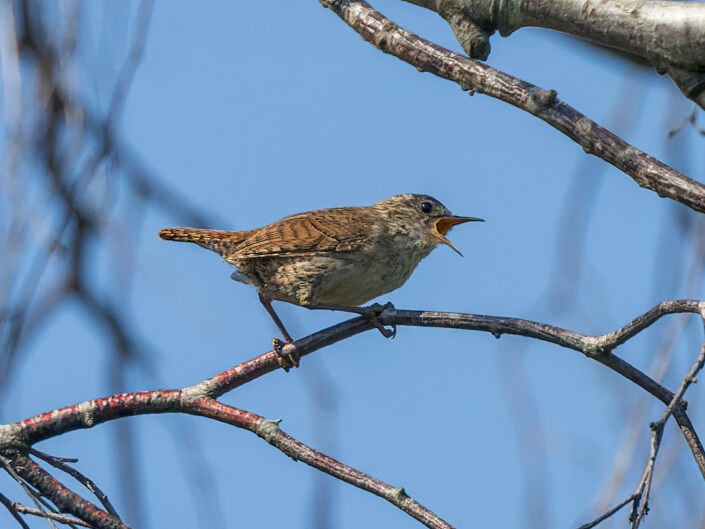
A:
[310,233]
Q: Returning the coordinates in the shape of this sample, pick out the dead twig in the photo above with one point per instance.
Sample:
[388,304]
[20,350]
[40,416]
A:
[641,501]
[607,514]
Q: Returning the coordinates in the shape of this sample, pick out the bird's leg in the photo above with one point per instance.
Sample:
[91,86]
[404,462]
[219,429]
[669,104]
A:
[285,361]
[268,305]
[371,311]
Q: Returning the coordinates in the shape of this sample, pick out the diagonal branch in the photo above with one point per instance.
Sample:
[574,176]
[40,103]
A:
[14,511]
[60,463]
[598,348]
[269,431]
[607,514]
[61,518]
[66,500]
[641,501]
[7,465]
[640,497]
[199,399]
[474,76]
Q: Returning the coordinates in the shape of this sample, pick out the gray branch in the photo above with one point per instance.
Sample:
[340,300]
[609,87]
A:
[475,76]
[668,35]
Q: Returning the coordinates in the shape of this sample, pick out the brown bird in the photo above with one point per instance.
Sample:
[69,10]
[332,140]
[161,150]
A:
[334,258]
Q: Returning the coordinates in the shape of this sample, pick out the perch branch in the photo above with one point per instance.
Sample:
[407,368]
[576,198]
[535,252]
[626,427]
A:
[598,348]
[200,398]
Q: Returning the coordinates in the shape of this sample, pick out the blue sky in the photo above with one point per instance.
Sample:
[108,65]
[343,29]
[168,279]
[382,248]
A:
[253,114]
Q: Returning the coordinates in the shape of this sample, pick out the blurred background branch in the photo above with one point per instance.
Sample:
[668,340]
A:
[76,191]
[73,193]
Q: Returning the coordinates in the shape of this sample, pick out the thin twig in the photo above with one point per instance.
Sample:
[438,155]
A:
[11,506]
[60,463]
[607,514]
[129,68]
[57,517]
[8,468]
[65,499]
[51,509]
[691,118]
[52,459]
[641,505]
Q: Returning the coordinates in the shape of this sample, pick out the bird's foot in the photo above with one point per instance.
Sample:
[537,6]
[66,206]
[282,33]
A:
[286,360]
[373,312]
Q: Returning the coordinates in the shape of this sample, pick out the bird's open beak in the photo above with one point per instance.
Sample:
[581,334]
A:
[444,224]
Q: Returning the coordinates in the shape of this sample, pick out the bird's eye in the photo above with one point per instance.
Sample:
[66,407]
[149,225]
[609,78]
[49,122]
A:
[426,207]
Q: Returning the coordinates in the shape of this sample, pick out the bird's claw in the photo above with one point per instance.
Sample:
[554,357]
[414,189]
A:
[374,311]
[285,360]
[378,309]
[387,333]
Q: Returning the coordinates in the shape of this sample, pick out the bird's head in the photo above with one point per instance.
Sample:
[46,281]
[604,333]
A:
[421,216]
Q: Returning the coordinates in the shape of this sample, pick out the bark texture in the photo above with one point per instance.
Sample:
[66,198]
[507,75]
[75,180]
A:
[668,35]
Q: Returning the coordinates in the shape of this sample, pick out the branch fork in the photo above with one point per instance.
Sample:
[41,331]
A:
[200,399]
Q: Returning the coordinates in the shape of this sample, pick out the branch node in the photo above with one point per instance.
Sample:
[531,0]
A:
[12,437]
[267,429]
[399,494]
[541,99]
[682,405]
[593,348]
[474,38]
[85,411]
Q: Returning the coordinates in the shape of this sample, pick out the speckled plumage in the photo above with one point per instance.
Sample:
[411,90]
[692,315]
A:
[340,256]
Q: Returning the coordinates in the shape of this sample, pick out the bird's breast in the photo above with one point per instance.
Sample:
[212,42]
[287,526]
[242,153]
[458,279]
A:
[368,273]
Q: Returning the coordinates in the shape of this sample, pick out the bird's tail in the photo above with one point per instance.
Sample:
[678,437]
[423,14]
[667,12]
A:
[220,241]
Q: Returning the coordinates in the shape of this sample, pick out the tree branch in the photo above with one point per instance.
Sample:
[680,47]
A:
[66,500]
[641,501]
[269,431]
[607,514]
[7,465]
[12,507]
[61,518]
[200,399]
[597,348]
[60,463]
[669,35]
[474,76]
